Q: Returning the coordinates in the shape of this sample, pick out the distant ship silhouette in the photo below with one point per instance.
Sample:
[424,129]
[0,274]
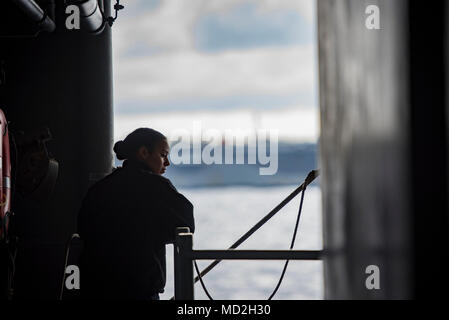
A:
[294,162]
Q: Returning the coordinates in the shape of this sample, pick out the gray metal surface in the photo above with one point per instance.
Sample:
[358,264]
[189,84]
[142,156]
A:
[364,148]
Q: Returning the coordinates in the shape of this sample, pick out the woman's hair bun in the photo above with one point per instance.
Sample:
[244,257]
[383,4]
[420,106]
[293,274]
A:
[147,137]
[120,150]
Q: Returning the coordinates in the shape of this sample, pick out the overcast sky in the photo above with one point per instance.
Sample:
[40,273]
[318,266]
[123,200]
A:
[228,63]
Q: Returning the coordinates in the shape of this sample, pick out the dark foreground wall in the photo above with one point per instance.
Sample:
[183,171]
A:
[383,147]
[63,81]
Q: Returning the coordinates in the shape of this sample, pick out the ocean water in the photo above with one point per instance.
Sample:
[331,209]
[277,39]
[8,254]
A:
[223,214]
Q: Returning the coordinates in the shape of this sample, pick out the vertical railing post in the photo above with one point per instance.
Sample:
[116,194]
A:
[184,283]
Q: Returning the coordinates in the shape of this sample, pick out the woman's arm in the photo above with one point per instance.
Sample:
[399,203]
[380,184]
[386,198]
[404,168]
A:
[177,211]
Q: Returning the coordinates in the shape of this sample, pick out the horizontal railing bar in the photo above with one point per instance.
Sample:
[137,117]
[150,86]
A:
[256,254]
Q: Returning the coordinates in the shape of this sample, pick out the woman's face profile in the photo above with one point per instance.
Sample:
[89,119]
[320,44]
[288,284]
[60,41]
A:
[157,160]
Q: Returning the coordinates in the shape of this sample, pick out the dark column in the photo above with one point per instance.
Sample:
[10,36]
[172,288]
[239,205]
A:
[383,147]
[364,148]
[63,81]
[429,146]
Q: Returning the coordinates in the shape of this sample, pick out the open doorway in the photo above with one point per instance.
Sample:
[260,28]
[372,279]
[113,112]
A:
[219,77]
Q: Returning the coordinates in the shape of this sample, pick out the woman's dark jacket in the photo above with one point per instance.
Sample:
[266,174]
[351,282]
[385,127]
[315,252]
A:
[125,222]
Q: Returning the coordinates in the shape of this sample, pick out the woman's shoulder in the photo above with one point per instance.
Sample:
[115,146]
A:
[140,179]
[158,179]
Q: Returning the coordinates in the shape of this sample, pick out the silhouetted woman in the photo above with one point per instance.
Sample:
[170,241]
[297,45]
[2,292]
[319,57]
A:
[127,219]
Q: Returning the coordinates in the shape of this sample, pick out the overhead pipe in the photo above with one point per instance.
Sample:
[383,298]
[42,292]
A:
[35,13]
[93,15]
[92,19]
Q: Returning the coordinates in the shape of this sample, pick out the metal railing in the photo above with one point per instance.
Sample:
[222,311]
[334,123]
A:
[184,255]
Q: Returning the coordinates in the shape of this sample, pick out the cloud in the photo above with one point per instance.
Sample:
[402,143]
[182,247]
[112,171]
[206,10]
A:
[168,25]
[272,71]
[293,123]
[158,64]
[232,102]
[247,26]
[305,7]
